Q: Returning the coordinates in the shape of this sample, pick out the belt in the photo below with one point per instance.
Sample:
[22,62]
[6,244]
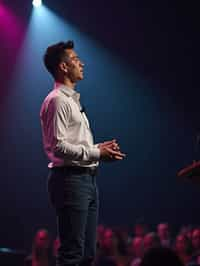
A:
[92,171]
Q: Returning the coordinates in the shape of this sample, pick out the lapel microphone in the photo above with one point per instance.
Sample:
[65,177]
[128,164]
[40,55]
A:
[82,109]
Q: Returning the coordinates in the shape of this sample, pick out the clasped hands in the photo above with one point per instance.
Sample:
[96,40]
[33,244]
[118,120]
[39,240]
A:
[110,151]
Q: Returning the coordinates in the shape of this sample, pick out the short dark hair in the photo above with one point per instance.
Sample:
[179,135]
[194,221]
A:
[55,54]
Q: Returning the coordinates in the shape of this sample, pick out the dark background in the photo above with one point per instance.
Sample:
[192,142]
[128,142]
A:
[147,98]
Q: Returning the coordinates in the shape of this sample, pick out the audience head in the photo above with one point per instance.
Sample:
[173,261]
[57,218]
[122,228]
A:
[140,230]
[42,245]
[151,240]
[42,239]
[106,244]
[163,231]
[161,256]
[196,239]
[182,244]
[100,234]
[119,244]
[137,247]
[56,245]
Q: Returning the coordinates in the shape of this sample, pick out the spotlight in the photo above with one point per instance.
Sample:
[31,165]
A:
[37,3]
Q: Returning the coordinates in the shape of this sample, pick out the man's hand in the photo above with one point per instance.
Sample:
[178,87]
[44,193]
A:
[110,151]
[110,144]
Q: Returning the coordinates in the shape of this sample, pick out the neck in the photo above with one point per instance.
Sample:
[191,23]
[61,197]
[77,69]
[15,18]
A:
[67,82]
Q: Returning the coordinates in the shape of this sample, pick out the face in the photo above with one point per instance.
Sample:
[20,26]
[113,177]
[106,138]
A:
[139,230]
[108,238]
[56,245]
[148,242]
[196,239]
[73,67]
[137,246]
[181,243]
[42,239]
[100,232]
[163,231]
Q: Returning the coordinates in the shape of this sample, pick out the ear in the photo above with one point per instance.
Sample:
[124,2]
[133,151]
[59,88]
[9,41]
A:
[63,66]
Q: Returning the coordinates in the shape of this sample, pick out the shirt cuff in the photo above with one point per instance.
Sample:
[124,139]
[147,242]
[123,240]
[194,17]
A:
[96,145]
[94,154]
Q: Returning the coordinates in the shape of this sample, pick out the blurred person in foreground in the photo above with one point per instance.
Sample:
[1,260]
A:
[161,256]
[42,250]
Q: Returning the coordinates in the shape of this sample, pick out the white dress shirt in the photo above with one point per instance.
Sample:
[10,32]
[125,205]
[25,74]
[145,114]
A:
[67,137]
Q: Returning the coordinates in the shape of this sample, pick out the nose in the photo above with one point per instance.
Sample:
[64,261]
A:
[81,63]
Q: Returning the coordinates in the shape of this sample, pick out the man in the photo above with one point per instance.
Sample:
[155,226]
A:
[68,143]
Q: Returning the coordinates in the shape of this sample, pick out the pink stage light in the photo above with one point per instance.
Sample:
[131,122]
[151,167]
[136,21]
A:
[11,28]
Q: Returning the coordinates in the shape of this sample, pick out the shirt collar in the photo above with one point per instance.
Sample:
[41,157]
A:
[67,91]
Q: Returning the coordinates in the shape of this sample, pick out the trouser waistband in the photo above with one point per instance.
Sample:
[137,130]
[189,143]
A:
[79,170]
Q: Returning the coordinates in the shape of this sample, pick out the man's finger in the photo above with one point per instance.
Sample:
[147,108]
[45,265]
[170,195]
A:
[109,142]
[118,158]
[116,153]
[116,147]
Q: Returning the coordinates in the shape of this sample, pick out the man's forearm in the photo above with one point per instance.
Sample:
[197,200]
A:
[74,152]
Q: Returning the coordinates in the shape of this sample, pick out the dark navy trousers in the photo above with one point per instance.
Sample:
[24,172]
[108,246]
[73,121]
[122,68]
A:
[75,198]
